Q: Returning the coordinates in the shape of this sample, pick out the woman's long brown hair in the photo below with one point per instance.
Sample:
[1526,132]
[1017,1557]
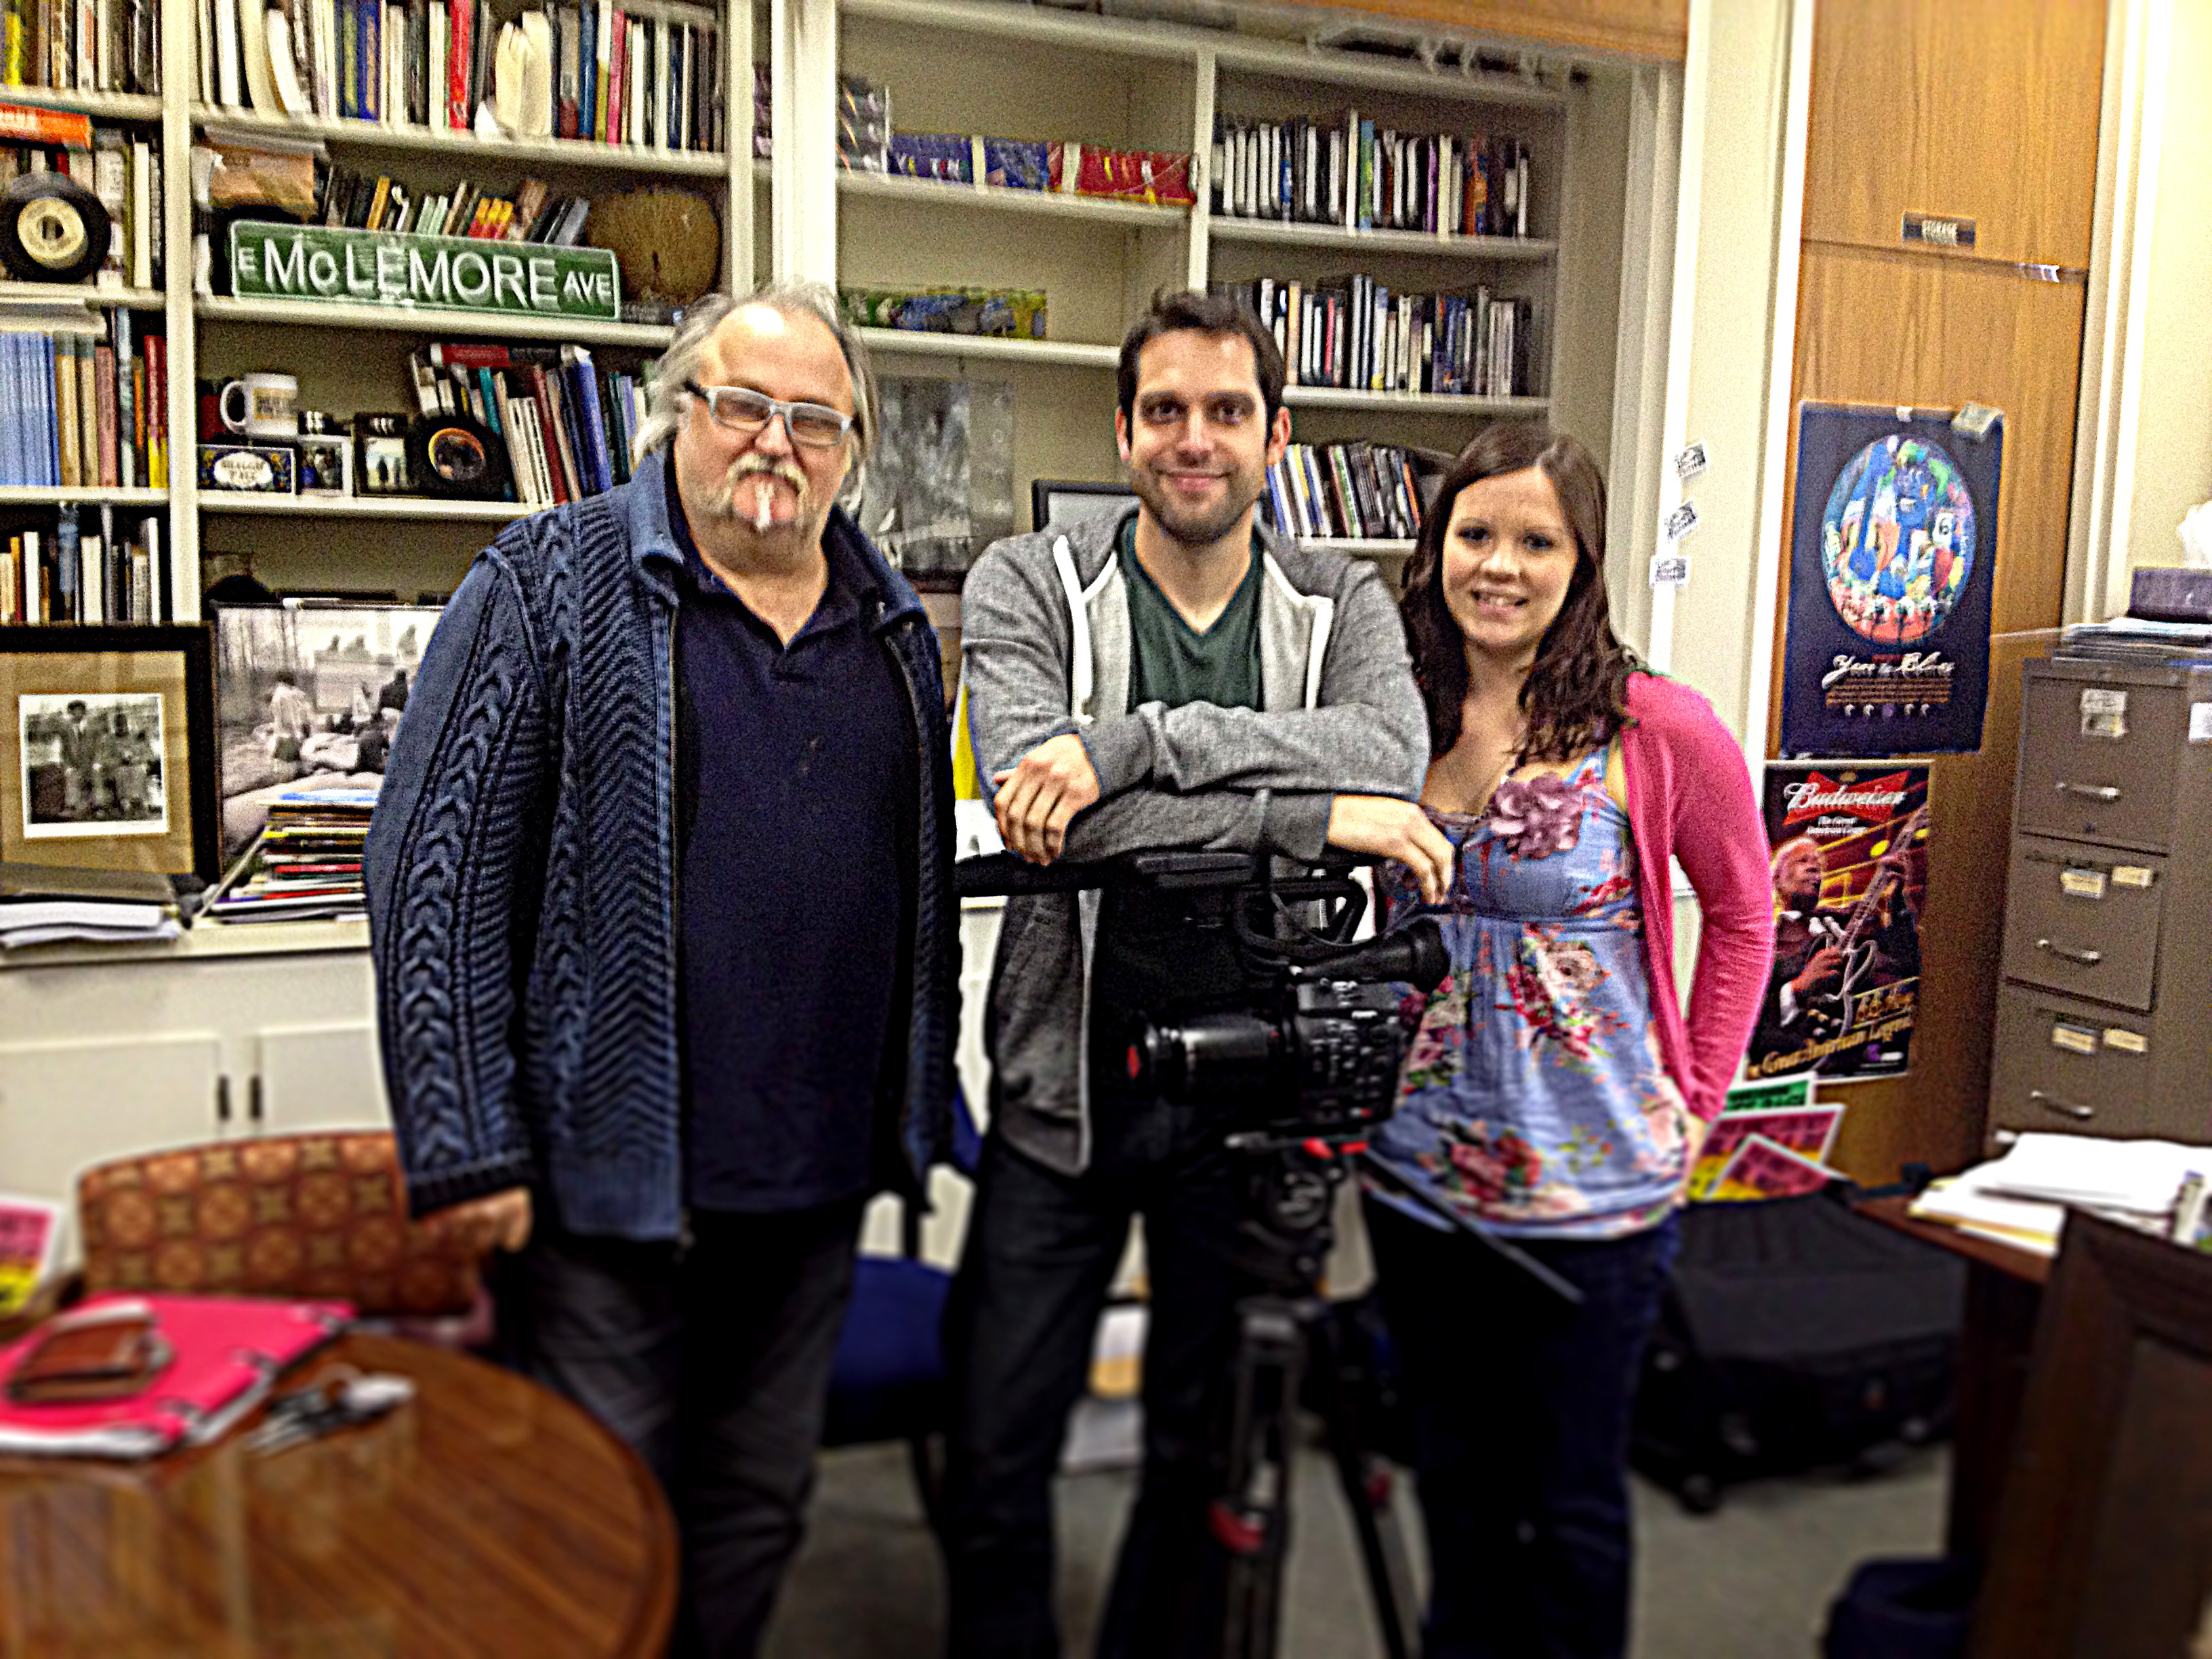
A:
[1576,697]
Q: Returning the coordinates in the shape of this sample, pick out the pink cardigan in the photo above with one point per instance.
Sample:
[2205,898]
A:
[1690,798]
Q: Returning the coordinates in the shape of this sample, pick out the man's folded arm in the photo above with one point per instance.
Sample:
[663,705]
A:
[1292,823]
[445,868]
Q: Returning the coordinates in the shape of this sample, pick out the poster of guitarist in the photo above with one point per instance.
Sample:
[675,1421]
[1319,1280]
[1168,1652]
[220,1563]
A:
[1851,866]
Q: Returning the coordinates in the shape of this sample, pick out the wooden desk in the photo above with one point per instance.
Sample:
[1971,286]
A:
[486,1516]
[1996,1339]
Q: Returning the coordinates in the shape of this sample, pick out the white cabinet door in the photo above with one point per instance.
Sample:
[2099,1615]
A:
[320,1076]
[64,1106]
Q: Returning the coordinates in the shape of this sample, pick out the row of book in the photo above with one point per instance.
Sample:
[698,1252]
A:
[567,425]
[93,566]
[648,75]
[1358,491]
[533,214]
[1355,333]
[1356,175]
[82,46]
[79,412]
[306,863]
[121,167]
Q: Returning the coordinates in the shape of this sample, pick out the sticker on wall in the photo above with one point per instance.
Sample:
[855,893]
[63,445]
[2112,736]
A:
[1849,852]
[1887,646]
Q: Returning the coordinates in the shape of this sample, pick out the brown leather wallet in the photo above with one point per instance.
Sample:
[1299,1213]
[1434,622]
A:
[90,1359]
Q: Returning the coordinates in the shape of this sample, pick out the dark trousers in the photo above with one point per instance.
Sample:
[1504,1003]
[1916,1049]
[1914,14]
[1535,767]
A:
[1041,1252]
[711,1360]
[1520,1407]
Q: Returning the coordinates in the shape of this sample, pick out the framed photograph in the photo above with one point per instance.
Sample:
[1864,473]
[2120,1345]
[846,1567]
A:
[326,464]
[1052,500]
[309,695]
[106,749]
[381,467]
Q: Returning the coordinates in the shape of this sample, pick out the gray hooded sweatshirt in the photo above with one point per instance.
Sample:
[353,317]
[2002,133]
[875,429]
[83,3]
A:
[1045,641]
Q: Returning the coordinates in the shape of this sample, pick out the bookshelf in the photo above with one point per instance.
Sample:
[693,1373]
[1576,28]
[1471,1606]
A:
[967,66]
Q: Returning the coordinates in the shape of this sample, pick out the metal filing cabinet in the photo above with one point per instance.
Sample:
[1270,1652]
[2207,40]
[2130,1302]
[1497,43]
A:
[2105,1018]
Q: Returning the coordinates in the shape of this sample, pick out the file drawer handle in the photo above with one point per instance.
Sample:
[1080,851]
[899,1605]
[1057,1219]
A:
[2086,958]
[2063,1107]
[2093,790]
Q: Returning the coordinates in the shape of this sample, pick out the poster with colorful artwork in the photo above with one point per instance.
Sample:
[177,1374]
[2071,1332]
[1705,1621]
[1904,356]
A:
[1848,847]
[1892,558]
[1759,1169]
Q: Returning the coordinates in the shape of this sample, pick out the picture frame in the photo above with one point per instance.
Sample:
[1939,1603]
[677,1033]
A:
[380,460]
[1064,502]
[309,695]
[326,464]
[108,749]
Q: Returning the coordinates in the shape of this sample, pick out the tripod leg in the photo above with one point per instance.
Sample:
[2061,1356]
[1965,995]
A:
[1366,1483]
[1251,1520]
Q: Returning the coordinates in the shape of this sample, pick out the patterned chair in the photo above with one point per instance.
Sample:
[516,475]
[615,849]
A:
[320,1215]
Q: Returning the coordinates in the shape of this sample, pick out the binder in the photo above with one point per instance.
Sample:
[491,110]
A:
[226,1352]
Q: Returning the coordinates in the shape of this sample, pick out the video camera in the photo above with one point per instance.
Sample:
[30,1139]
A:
[1309,1052]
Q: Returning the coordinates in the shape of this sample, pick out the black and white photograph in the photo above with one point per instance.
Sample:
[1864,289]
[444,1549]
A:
[309,697]
[92,764]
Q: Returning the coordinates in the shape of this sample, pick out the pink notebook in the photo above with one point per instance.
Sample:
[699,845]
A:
[226,1350]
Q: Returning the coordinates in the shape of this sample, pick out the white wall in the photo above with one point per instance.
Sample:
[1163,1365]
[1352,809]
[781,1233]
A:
[2174,430]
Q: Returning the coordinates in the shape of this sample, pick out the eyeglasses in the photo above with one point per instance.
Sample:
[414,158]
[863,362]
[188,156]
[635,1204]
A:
[740,409]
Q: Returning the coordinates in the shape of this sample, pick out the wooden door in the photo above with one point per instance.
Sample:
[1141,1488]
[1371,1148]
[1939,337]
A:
[1976,109]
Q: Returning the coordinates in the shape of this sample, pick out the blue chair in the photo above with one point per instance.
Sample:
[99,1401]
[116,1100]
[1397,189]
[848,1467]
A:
[888,1382]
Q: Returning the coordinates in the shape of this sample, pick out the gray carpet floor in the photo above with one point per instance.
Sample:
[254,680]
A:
[1751,1582]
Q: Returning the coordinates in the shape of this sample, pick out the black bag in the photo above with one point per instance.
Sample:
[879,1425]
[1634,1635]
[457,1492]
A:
[1797,1333]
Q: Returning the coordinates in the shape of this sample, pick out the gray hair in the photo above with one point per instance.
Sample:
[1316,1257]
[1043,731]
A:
[667,401]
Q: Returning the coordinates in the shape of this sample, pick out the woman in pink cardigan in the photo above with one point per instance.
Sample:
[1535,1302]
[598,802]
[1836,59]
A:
[1553,1095]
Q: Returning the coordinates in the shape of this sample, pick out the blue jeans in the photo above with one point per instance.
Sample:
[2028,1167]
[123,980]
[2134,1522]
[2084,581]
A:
[1041,1253]
[1520,1407]
[712,1361]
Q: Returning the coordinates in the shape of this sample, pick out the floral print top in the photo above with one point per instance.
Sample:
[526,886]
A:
[1534,1099]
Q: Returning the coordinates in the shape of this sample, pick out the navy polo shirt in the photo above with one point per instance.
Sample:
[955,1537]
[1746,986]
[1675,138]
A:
[796,799]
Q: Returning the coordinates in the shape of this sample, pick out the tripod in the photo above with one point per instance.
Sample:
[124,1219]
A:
[1283,1335]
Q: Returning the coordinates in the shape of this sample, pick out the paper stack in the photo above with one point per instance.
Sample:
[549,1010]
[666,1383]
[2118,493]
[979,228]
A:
[26,920]
[2021,1199]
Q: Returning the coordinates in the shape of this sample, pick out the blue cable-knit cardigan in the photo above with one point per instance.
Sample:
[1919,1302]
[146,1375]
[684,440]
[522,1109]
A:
[521,873]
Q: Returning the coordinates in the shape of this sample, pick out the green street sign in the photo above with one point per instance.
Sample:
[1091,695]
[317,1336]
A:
[457,273]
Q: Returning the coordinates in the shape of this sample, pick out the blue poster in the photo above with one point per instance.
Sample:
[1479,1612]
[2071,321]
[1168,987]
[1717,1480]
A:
[1887,648]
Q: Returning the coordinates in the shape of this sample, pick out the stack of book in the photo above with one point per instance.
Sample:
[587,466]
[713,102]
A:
[568,425]
[306,863]
[92,46]
[91,568]
[1353,332]
[533,214]
[648,75]
[1354,175]
[1345,492]
[82,413]
[122,167]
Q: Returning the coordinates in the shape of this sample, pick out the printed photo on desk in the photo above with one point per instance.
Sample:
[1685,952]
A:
[106,749]
[309,697]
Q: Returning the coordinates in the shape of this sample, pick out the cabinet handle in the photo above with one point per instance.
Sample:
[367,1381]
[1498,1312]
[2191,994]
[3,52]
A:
[254,1100]
[222,1098]
[2093,790]
[2086,958]
[2063,1107]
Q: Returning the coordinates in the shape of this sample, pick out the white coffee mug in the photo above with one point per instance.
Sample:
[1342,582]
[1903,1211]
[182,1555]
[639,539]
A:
[268,405]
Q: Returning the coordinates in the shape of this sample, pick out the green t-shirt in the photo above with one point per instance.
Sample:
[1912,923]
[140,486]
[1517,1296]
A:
[1151,957]
[1171,661]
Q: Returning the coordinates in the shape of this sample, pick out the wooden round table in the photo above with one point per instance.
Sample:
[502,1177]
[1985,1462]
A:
[487,1516]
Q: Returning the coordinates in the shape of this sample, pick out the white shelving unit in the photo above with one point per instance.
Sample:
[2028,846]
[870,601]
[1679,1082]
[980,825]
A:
[391,135]
[424,321]
[79,496]
[986,349]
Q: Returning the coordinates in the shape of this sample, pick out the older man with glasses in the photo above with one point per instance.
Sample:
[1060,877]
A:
[666,953]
